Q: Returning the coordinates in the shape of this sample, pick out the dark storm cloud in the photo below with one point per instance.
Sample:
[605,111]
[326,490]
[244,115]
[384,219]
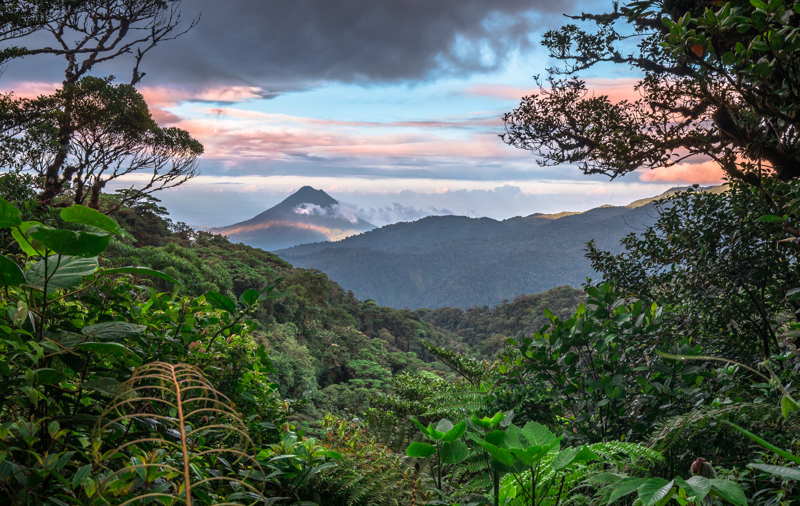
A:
[293,44]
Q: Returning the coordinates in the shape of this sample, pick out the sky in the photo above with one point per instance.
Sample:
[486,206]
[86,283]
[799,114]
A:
[392,107]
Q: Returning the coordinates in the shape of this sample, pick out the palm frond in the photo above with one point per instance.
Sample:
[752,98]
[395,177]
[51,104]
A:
[170,435]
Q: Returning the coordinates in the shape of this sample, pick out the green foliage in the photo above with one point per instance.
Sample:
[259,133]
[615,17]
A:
[656,491]
[486,328]
[169,434]
[368,473]
[714,75]
[295,465]
[597,372]
[525,465]
[70,334]
[713,243]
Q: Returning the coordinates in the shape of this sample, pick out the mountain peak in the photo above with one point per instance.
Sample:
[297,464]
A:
[308,195]
[306,216]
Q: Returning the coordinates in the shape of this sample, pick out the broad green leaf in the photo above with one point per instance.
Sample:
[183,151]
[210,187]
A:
[65,272]
[89,486]
[80,475]
[771,218]
[444,425]
[221,301]
[585,455]
[787,473]
[138,271]
[434,434]
[489,423]
[529,456]
[514,438]
[730,491]
[454,452]
[87,216]
[500,455]
[625,487]
[9,214]
[496,437]
[419,425]
[539,435]
[249,296]
[69,242]
[103,384]
[455,432]
[698,486]
[788,406]
[109,349]
[26,244]
[10,273]
[565,457]
[655,490]
[108,331]
[421,450]
[47,376]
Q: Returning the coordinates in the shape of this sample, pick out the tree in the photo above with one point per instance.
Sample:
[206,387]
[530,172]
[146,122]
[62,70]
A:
[87,33]
[720,81]
[718,260]
[113,135]
[20,18]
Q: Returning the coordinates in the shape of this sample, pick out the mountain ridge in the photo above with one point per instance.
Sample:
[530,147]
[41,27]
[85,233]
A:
[459,261]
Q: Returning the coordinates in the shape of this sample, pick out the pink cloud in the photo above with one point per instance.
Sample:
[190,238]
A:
[477,146]
[705,172]
[159,98]
[32,89]
[234,134]
[615,88]
[273,138]
[235,113]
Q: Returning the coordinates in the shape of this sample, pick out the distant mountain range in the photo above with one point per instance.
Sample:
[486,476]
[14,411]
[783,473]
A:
[458,261]
[306,216]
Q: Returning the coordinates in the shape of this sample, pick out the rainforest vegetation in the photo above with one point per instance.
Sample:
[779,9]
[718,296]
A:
[143,362]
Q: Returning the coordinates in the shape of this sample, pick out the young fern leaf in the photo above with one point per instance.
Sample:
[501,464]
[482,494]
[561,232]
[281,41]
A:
[171,436]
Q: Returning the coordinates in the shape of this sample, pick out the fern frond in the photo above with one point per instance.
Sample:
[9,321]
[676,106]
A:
[458,403]
[369,473]
[616,450]
[170,435]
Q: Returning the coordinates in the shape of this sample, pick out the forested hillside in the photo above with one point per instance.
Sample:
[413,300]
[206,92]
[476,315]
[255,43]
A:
[456,261]
[327,347]
[488,328]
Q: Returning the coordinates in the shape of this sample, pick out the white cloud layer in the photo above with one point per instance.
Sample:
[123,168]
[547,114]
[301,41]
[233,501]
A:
[210,201]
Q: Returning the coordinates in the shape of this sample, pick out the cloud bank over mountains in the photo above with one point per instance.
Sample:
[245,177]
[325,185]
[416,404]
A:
[284,46]
[287,45]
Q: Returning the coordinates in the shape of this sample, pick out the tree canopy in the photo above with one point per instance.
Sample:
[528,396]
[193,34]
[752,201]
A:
[91,131]
[718,81]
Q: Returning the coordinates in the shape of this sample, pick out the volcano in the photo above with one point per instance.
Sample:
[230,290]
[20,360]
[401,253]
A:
[306,216]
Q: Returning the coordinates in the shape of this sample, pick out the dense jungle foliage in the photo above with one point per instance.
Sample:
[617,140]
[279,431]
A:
[142,362]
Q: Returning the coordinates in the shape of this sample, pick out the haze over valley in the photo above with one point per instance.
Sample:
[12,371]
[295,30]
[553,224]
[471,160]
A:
[445,260]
